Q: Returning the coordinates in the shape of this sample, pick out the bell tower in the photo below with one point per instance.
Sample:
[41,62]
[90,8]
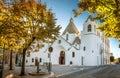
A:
[89,26]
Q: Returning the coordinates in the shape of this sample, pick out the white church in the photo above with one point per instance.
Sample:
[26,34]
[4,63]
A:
[89,47]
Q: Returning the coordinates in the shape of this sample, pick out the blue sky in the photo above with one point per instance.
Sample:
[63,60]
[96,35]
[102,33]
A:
[63,13]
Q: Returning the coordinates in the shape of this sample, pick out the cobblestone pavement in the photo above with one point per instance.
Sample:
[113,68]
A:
[57,70]
[112,71]
[108,71]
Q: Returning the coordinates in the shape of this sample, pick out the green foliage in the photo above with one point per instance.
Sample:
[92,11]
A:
[119,60]
[111,58]
[71,62]
[107,11]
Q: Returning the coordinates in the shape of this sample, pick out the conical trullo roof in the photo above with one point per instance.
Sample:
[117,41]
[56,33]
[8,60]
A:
[77,40]
[71,28]
[90,17]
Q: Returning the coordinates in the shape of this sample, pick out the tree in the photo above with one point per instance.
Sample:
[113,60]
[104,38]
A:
[111,58]
[8,30]
[31,22]
[119,60]
[39,21]
[107,11]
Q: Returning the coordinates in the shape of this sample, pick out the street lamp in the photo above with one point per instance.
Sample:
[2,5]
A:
[50,64]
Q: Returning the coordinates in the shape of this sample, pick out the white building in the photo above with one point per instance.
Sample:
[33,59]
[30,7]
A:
[89,47]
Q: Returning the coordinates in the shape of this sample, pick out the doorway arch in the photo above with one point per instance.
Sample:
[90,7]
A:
[62,58]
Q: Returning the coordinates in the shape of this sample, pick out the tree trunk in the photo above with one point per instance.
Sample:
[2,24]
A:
[23,63]
[11,60]
[2,67]
[23,58]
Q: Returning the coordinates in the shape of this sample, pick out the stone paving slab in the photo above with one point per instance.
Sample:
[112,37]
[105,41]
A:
[57,70]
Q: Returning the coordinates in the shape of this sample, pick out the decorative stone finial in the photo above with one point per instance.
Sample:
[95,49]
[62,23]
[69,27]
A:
[71,19]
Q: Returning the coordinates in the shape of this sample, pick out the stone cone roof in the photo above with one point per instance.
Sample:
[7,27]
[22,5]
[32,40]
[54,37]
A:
[90,17]
[71,28]
[77,40]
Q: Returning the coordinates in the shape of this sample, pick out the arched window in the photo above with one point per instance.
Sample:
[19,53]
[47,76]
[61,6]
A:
[92,51]
[67,36]
[73,54]
[32,59]
[89,28]
[59,41]
[26,61]
[84,48]
[40,60]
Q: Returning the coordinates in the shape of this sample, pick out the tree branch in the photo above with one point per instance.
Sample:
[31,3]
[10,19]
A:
[117,2]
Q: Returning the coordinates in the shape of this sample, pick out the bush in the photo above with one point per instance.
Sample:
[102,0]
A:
[111,58]
[119,60]
[71,62]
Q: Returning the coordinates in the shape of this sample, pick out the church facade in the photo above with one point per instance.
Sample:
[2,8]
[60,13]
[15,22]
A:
[89,47]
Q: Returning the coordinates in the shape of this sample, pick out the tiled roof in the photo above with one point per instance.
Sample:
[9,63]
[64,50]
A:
[71,28]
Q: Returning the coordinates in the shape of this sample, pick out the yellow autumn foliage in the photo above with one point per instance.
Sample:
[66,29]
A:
[23,22]
[107,11]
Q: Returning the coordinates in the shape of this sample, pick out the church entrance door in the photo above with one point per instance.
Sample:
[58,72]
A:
[62,57]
